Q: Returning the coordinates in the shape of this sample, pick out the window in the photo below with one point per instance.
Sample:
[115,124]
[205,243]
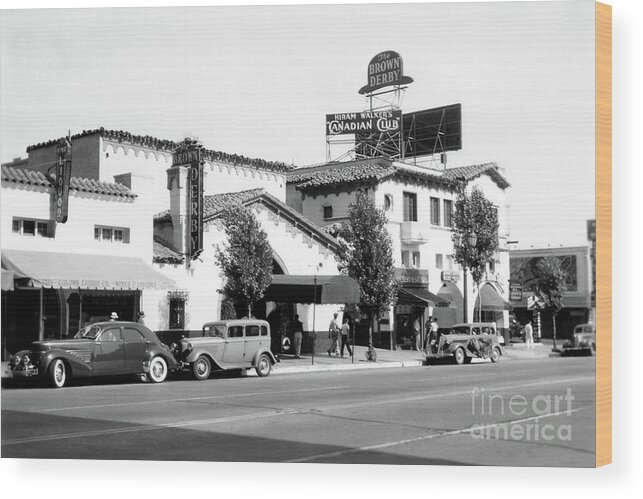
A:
[235,332]
[214,331]
[30,227]
[264,331]
[328,212]
[388,202]
[450,262]
[448,213]
[435,211]
[111,234]
[438,260]
[416,260]
[177,313]
[405,259]
[492,266]
[252,331]
[113,334]
[132,335]
[410,207]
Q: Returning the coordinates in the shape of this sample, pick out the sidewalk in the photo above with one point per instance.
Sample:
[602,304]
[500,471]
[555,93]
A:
[385,358]
[520,351]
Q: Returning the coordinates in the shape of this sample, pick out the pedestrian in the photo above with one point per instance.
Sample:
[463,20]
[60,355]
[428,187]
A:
[434,330]
[344,332]
[113,317]
[333,334]
[427,330]
[141,317]
[416,332]
[298,329]
[529,335]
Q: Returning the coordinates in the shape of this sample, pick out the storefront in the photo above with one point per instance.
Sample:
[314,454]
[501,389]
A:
[52,295]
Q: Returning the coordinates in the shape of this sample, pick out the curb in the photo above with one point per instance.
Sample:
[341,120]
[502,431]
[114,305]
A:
[346,367]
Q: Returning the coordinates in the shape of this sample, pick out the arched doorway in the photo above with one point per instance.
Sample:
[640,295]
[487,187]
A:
[448,316]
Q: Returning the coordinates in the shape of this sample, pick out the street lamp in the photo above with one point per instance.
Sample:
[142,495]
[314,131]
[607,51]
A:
[471,240]
[317,267]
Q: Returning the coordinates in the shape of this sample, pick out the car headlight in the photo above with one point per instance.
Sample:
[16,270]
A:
[25,360]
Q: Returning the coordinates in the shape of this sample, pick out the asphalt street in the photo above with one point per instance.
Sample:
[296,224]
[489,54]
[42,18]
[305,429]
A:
[514,413]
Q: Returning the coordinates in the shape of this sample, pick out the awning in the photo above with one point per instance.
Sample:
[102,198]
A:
[301,289]
[7,280]
[422,297]
[79,271]
[490,300]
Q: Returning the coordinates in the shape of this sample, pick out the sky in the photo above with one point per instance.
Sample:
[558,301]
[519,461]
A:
[258,81]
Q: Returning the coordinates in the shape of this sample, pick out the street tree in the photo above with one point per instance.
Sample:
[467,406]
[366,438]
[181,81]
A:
[475,215]
[245,259]
[551,287]
[367,257]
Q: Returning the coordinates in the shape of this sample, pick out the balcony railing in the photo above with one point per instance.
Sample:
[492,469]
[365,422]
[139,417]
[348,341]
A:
[414,232]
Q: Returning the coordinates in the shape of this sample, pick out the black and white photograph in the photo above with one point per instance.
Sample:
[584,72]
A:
[348,234]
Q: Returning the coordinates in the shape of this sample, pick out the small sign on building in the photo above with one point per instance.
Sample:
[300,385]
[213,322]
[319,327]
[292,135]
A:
[515,291]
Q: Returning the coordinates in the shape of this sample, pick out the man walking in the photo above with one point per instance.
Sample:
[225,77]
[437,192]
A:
[416,332]
[333,334]
[298,329]
[344,332]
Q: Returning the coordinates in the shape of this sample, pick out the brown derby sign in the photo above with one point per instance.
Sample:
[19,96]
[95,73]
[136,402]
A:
[385,70]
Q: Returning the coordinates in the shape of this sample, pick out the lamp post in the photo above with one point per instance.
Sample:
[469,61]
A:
[317,267]
[471,241]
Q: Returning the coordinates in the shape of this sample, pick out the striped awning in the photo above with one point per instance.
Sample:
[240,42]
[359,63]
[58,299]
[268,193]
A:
[80,271]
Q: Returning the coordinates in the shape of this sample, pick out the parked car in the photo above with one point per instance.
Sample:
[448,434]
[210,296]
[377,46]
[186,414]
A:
[583,341]
[233,344]
[100,349]
[467,341]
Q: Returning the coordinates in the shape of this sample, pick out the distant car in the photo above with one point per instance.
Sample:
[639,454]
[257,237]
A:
[233,344]
[467,341]
[583,341]
[100,349]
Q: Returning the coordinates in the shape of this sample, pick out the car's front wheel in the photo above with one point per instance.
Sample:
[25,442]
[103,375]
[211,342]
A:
[158,370]
[201,368]
[459,356]
[495,355]
[58,373]
[263,365]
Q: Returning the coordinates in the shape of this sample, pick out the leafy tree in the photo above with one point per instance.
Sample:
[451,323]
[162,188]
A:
[552,284]
[246,259]
[368,258]
[475,214]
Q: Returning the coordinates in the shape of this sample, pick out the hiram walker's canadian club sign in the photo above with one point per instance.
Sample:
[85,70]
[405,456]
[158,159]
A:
[63,177]
[385,69]
[191,154]
[363,122]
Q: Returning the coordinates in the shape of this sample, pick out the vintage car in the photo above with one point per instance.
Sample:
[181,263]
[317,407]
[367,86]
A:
[232,344]
[583,341]
[100,349]
[464,342]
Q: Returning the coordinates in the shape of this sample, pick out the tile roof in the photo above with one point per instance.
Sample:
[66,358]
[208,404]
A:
[164,253]
[467,173]
[170,145]
[214,204]
[374,170]
[30,177]
[342,174]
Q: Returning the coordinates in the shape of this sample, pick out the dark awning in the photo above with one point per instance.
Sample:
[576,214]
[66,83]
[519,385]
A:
[78,271]
[7,280]
[336,289]
[490,300]
[422,297]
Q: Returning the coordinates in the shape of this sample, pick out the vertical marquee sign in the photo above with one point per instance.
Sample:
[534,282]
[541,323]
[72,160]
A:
[63,177]
[190,153]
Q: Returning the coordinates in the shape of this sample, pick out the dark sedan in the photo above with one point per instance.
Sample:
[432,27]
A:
[101,349]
